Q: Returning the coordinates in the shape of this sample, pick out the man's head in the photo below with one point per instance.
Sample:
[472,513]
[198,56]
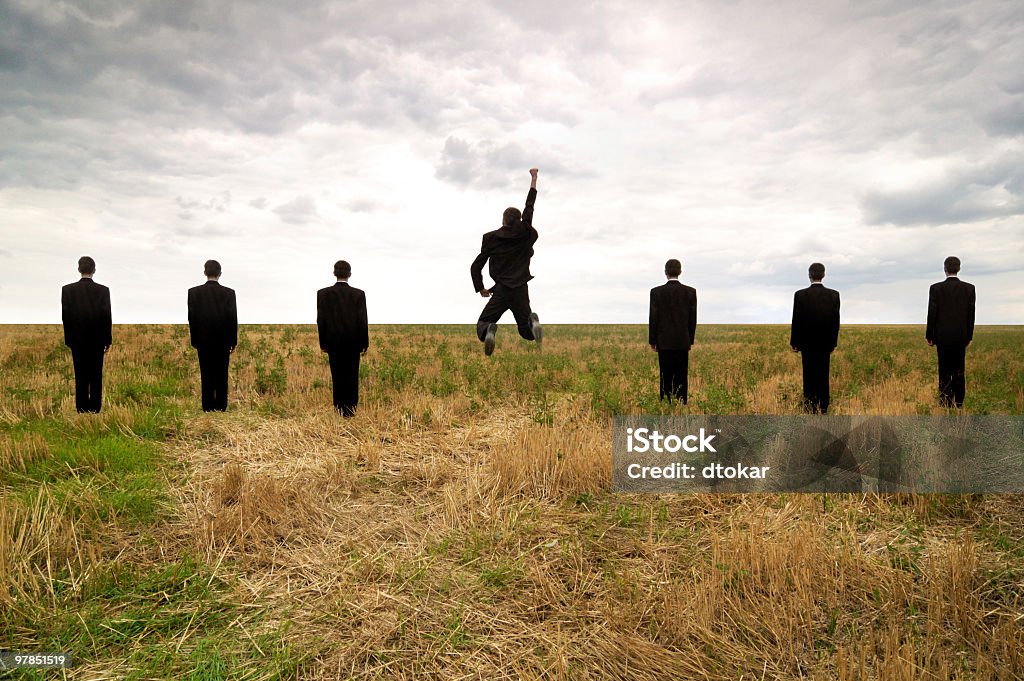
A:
[816,271]
[86,265]
[342,270]
[511,217]
[211,269]
[951,265]
[673,268]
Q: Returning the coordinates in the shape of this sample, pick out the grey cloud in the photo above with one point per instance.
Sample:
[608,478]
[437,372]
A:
[493,165]
[757,108]
[858,77]
[792,271]
[188,206]
[300,210]
[706,82]
[60,153]
[259,69]
[363,206]
[813,244]
[970,194]
[218,203]
[11,60]
[204,231]
[209,64]
[590,25]
[1012,83]
[1004,118]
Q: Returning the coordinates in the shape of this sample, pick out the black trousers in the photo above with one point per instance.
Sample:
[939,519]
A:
[213,374]
[816,393]
[952,382]
[88,363]
[345,380]
[674,366]
[516,299]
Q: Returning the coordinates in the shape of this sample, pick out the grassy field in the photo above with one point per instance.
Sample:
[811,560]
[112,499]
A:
[462,526]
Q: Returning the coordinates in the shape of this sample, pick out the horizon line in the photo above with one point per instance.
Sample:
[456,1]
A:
[511,324]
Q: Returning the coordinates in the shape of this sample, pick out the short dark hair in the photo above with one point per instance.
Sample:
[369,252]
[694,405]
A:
[951,265]
[342,269]
[511,216]
[86,265]
[673,268]
[212,268]
[816,271]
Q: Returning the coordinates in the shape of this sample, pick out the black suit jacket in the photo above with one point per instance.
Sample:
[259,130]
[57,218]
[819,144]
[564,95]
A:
[341,319]
[212,316]
[815,319]
[673,320]
[950,312]
[509,250]
[85,311]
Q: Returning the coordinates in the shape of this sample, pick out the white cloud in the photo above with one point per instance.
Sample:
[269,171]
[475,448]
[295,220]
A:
[298,211]
[747,138]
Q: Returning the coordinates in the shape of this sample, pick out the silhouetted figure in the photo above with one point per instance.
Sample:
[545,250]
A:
[213,328]
[673,325]
[814,334]
[950,330]
[509,249]
[344,335]
[85,311]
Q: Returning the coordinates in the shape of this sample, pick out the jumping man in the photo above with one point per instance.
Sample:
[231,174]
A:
[509,249]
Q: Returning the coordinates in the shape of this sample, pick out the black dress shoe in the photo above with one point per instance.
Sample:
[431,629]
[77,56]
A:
[492,329]
[536,328]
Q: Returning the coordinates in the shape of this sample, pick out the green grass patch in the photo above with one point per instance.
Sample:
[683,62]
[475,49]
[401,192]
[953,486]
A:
[176,620]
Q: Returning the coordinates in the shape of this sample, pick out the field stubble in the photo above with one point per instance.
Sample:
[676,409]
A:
[462,526]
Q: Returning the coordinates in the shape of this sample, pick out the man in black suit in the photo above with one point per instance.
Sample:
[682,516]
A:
[950,330]
[344,335]
[673,324]
[509,249]
[213,327]
[85,311]
[814,334]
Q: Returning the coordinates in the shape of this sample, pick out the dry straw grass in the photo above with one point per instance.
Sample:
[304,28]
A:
[17,452]
[547,463]
[40,541]
[466,535]
[447,556]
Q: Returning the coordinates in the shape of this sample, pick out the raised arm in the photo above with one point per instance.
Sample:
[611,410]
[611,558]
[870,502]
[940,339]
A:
[531,198]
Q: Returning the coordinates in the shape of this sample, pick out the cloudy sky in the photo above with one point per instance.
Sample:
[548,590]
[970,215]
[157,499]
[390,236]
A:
[747,139]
